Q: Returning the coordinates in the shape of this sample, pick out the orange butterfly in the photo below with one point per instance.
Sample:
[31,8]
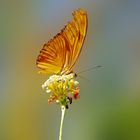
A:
[59,55]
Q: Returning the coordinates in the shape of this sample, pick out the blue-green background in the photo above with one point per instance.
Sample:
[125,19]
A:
[109,104]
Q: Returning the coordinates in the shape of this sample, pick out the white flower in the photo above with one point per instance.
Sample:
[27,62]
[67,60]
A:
[62,88]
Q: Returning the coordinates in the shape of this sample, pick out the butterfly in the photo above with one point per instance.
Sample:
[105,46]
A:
[59,55]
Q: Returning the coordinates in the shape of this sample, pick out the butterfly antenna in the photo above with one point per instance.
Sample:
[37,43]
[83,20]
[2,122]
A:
[98,66]
[82,77]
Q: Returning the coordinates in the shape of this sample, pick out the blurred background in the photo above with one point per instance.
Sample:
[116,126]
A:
[109,104]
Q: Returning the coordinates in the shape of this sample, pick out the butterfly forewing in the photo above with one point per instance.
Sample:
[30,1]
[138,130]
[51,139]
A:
[60,53]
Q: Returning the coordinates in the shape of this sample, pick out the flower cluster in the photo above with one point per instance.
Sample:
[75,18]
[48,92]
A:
[62,89]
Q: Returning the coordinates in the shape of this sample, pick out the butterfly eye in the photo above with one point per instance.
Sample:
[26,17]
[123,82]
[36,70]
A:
[75,75]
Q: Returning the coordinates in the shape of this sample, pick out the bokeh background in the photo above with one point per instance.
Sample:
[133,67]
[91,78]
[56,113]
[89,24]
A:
[109,104]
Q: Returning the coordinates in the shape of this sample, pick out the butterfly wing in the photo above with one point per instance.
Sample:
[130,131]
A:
[52,56]
[60,54]
[74,34]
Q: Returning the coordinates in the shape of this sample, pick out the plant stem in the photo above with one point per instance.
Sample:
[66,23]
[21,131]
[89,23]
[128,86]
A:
[62,120]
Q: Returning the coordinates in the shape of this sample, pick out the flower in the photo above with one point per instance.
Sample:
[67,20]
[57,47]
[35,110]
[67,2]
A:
[62,89]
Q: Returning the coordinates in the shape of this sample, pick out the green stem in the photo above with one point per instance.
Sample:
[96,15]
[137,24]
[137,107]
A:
[62,120]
